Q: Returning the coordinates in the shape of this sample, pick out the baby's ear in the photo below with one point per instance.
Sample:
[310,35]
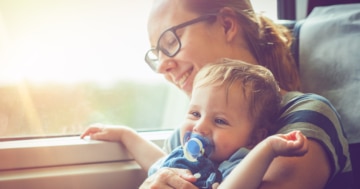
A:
[262,134]
[257,136]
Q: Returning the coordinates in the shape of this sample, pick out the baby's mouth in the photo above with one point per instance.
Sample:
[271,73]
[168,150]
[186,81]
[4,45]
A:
[196,146]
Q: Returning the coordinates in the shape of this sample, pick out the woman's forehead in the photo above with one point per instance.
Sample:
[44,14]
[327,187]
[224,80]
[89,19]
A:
[165,14]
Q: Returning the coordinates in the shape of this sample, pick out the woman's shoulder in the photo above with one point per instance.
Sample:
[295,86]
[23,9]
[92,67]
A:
[309,110]
[296,97]
[317,119]
[307,103]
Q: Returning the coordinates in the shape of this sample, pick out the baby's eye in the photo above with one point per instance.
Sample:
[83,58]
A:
[195,114]
[221,122]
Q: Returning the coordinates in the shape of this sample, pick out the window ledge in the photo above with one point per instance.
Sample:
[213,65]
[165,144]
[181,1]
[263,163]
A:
[71,162]
[64,151]
[111,175]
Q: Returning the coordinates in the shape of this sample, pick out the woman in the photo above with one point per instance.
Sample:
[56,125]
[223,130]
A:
[187,34]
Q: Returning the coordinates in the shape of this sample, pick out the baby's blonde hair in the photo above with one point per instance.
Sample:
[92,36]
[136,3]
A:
[258,84]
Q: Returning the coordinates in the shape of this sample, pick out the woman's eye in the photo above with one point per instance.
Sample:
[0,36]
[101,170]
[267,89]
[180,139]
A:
[168,42]
[221,122]
[171,42]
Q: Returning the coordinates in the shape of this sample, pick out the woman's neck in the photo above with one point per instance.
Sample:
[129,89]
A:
[283,92]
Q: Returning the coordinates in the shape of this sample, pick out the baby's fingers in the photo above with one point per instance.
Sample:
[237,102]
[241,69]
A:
[303,143]
[90,131]
[290,144]
[298,143]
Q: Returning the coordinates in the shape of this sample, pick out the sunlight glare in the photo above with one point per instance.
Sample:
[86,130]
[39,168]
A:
[96,42]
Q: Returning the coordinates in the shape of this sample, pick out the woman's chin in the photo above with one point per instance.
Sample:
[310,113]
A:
[187,89]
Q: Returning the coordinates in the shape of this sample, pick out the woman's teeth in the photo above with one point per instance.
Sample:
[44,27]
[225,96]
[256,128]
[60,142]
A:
[182,80]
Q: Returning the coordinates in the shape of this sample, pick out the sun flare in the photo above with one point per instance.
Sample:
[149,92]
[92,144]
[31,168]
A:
[40,43]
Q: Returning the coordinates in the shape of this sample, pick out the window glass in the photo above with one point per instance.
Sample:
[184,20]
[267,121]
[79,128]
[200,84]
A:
[65,64]
[266,7]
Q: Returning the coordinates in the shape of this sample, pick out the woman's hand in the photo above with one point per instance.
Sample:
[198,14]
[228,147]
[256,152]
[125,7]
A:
[170,178]
[104,132]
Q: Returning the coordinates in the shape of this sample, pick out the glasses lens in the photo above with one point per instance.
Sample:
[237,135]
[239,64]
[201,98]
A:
[151,58]
[169,43]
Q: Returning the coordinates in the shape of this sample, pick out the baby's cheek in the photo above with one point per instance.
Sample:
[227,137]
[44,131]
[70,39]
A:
[186,127]
[216,156]
[222,153]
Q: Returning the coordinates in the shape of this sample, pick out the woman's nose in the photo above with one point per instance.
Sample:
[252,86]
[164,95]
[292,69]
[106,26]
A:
[166,64]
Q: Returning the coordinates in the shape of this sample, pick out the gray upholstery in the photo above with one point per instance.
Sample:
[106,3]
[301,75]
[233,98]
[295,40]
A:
[329,56]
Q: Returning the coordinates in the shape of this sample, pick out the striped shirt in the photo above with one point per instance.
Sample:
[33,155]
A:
[317,119]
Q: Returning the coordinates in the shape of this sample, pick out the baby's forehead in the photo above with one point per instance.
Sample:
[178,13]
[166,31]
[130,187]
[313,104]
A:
[225,85]
[234,90]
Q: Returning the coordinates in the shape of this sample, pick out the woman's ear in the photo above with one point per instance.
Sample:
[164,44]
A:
[229,23]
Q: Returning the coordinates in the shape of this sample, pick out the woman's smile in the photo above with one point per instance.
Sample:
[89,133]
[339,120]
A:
[183,79]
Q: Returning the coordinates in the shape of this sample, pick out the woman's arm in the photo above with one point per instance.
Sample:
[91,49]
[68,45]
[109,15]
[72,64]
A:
[170,178]
[310,171]
[250,172]
[144,152]
[317,119]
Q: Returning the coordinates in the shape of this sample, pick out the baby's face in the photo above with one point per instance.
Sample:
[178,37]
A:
[221,117]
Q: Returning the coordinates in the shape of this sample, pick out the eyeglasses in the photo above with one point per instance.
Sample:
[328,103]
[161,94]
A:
[169,43]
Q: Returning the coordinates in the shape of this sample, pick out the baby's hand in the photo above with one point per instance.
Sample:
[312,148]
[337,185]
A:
[104,132]
[290,144]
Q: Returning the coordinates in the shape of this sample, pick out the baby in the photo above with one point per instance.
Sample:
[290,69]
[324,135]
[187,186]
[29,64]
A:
[232,110]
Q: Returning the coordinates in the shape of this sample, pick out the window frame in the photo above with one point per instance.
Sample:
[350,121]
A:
[87,163]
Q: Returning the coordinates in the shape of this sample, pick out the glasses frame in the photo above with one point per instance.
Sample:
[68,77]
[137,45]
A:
[155,50]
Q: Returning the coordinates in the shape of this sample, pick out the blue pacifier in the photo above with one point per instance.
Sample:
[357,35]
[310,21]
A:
[196,146]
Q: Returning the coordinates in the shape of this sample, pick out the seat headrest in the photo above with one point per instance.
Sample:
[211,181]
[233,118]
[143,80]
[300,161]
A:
[329,56]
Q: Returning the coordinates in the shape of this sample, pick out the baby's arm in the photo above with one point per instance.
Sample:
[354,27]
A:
[144,152]
[251,170]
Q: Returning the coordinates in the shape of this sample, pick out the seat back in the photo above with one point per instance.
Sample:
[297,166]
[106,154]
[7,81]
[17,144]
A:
[327,50]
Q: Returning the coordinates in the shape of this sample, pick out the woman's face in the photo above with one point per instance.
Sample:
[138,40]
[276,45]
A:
[201,42]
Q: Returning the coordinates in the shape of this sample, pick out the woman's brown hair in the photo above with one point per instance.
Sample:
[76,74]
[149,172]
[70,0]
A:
[268,42]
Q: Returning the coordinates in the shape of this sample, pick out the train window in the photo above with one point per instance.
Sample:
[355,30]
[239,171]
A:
[268,8]
[66,64]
